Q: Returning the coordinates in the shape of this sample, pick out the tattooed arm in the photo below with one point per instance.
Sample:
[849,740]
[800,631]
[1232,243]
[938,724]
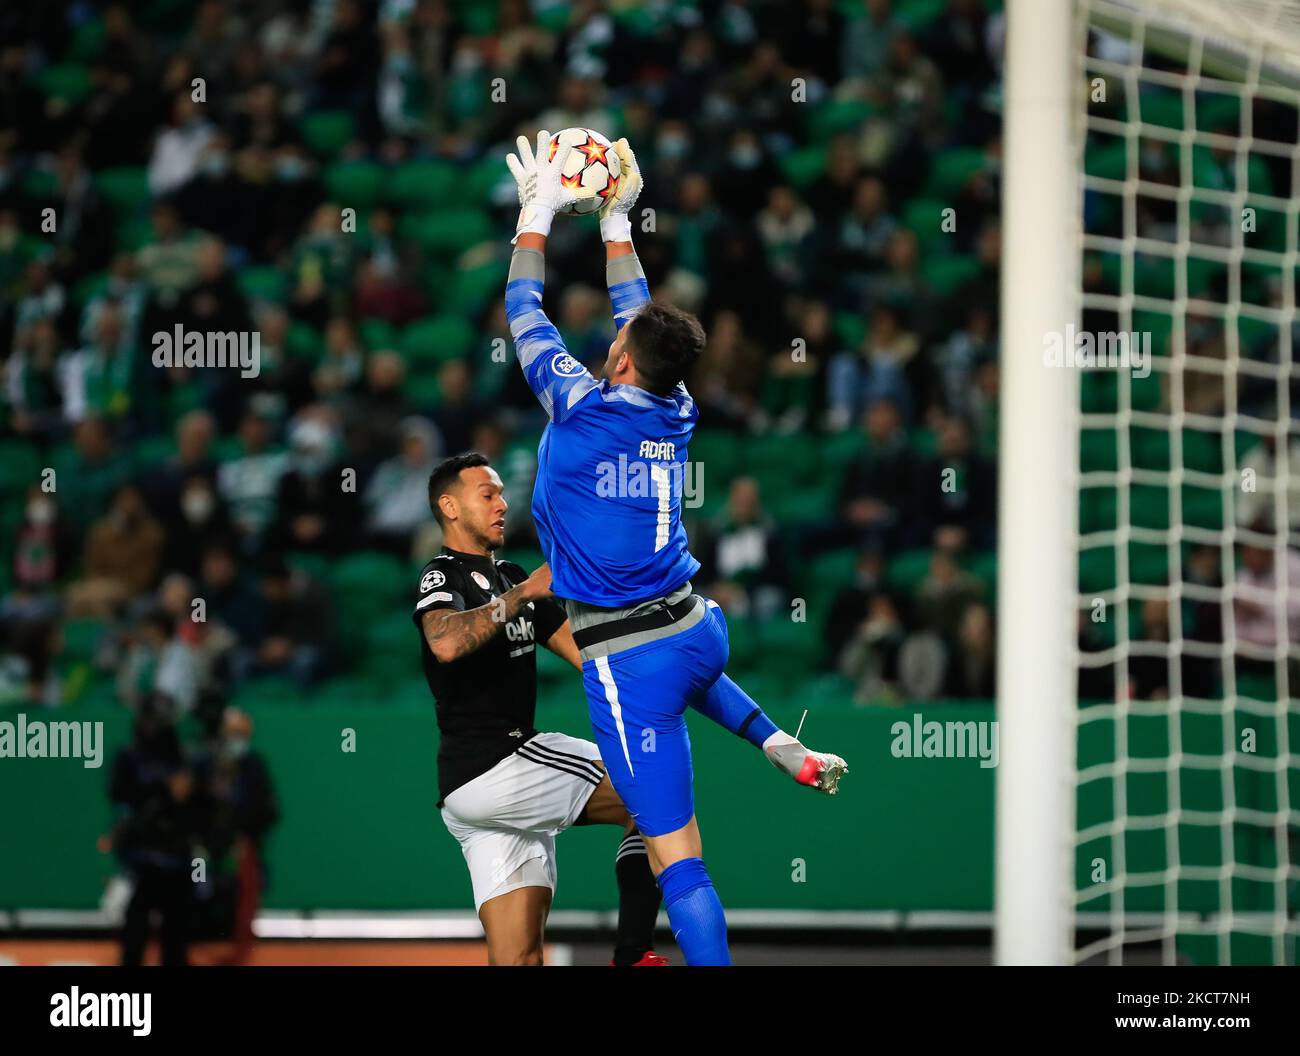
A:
[452,634]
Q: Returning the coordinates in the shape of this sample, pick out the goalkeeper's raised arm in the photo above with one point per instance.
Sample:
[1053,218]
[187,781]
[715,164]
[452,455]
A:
[628,290]
[559,381]
[556,378]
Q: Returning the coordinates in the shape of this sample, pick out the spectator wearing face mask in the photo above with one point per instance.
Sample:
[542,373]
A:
[299,625]
[122,558]
[398,494]
[195,433]
[200,521]
[250,483]
[244,810]
[312,511]
[42,552]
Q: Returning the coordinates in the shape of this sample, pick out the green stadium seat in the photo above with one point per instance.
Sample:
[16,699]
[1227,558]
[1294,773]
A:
[827,574]
[263,283]
[1202,507]
[1218,113]
[949,274]
[134,234]
[918,14]
[923,217]
[787,649]
[354,184]
[479,20]
[470,289]
[1098,451]
[369,582]
[1162,107]
[1148,564]
[90,286]
[126,188]
[67,82]
[907,570]
[424,390]
[20,467]
[719,453]
[1147,394]
[447,231]
[1097,570]
[833,117]
[327,132]
[744,644]
[483,177]
[952,168]
[804,167]
[838,450]
[40,183]
[426,183]
[780,461]
[1149,448]
[81,638]
[377,334]
[850,328]
[87,40]
[153,451]
[1108,162]
[554,18]
[437,339]
[305,342]
[1097,510]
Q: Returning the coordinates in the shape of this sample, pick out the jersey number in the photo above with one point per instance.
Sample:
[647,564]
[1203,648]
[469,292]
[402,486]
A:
[659,474]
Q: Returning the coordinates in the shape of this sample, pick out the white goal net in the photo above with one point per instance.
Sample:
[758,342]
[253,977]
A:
[1186,716]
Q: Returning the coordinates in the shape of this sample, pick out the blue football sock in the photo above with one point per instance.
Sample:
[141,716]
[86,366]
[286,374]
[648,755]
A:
[695,912]
[731,707]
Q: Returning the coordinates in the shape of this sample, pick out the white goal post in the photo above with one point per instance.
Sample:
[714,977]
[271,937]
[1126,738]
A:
[1149,534]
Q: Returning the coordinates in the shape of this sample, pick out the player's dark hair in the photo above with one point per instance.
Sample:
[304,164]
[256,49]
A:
[447,475]
[666,343]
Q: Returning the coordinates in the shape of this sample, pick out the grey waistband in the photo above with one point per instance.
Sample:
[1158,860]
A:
[582,616]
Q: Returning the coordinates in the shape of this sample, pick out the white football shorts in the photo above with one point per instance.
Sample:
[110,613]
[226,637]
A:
[506,819]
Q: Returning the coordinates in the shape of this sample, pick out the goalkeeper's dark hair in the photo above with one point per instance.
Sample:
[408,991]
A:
[666,343]
[446,475]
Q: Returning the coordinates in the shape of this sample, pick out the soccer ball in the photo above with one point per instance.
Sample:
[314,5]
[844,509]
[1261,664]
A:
[591,170]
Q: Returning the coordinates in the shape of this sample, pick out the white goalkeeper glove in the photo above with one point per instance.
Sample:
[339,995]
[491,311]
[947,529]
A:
[541,191]
[615,224]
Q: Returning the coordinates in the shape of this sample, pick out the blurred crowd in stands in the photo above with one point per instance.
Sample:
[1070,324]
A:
[327,174]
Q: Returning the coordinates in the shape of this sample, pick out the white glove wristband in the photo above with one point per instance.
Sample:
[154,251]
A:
[534,218]
[616,228]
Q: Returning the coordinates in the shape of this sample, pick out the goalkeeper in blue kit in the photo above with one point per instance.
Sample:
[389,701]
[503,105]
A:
[650,646]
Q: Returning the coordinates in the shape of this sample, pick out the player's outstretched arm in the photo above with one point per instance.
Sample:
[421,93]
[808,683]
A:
[628,290]
[452,634]
[556,378]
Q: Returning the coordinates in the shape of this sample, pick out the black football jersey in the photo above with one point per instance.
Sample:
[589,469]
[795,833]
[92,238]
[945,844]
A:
[486,701]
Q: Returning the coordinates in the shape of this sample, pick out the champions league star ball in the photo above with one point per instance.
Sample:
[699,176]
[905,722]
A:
[591,170]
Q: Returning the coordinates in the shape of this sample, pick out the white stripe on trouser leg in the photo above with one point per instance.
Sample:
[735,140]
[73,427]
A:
[611,695]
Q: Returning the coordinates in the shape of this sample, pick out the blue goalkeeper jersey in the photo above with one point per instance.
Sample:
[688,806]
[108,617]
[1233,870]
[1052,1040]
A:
[611,466]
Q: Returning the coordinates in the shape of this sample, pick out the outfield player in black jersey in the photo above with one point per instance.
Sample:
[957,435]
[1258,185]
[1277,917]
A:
[506,790]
